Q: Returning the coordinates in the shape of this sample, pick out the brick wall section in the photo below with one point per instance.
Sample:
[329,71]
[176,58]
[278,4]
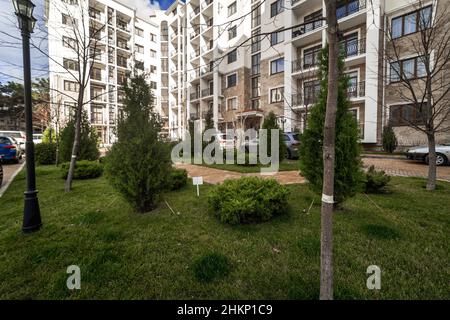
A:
[268,82]
[242,91]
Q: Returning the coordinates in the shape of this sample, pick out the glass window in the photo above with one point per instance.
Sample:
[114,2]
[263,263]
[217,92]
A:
[425,18]
[256,62]
[396,27]
[232,104]
[232,56]
[277,66]
[395,72]
[421,70]
[276,37]
[231,80]
[276,8]
[277,95]
[408,68]
[256,87]
[232,9]
[410,23]
[232,32]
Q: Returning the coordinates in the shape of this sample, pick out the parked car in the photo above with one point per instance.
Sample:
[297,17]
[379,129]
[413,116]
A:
[9,150]
[421,154]
[19,136]
[37,138]
[1,172]
[292,141]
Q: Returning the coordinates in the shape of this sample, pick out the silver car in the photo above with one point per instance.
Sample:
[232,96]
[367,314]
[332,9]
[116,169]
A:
[421,154]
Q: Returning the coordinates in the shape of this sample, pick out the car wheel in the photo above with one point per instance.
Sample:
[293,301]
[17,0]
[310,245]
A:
[287,154]
[440,159]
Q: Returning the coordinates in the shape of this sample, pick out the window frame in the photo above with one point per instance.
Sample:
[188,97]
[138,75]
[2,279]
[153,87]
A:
[277,90]
[234,98]
[396,121]
[232,56]
[232,32]
[401,75]
[228,77]
[232,8]
[276,61]
[276,8]
[278,36]
[418,20]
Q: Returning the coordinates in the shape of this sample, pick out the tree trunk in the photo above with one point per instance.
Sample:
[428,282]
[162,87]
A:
[326,237]
[76,142]
[431,183]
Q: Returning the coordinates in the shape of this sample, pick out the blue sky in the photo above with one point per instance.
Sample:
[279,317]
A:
[10,44]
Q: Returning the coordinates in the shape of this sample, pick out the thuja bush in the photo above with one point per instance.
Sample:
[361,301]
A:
[84,169]
[45,153]
[248,200]
[178,179]
[376,181]
[348,173]
[138,165]
[389,139]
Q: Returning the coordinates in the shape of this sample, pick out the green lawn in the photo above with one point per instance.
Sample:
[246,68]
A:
[123,254]
[285,165]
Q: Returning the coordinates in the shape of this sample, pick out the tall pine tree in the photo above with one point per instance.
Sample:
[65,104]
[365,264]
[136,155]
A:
[348,172]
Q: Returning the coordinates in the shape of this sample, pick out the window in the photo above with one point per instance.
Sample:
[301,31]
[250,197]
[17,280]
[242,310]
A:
[276,8]
[232,32]
[276,95]
[256,87]
[311,90]
[69,42]
[350,45]
[276,37]
[277,66]
[68,20]
[402,115]
[71,86]
[411,22]
[152,37]
[256,40]
[152,69]
[256,16]
[348,7]
[139,64]
[311,56]
[232,103]
[407,69]
[70,64]
[313,21]
[152,53]
[231,80]
[232,9]
[256,63]
[139,48]
[139,32]
[232,56]
[71,2]
[153,85]
[352,88]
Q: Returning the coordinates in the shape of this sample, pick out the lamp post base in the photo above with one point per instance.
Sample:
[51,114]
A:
[31,213]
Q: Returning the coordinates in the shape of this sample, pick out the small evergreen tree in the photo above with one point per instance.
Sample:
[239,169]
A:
[389,139]
[348,173]
[270,123]
[88,149]
[209,119]
[138,164]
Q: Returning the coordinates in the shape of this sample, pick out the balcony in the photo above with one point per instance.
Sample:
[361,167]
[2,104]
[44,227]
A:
[97,75]
[195,54]
[122,25]
[194,96]
[298,100]
[207,92]
[195,12]
[307,27]
[95,15]
[302,66]
[354,51]
[195,33]
[350,8]
[123,45]
[206,4]
[356,90]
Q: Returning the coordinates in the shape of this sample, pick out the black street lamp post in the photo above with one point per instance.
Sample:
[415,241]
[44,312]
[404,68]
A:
[31,215]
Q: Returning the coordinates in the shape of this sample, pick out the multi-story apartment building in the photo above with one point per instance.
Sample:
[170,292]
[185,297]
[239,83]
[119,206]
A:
[237,60]
[245,58]
[120,41]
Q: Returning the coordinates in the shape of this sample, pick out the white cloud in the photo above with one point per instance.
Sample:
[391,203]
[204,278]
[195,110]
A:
[143,7]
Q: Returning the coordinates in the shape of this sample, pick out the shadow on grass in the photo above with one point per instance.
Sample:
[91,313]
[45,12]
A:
[381,232]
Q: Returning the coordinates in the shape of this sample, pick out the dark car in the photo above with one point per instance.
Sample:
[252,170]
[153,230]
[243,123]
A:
[9,150]
[1,172]
[292,141]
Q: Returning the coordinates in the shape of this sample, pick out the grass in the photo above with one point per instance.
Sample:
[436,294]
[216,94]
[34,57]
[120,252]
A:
[125,255]
[285,165]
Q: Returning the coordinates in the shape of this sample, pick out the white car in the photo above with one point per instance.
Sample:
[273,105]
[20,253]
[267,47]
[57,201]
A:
[37,138]
[421,154]
[19,136]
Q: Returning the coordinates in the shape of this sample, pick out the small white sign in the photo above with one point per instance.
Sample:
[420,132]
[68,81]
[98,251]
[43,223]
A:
[197,180]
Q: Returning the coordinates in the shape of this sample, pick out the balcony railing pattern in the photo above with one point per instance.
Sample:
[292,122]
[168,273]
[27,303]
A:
[353,47]
[300,100]
[302,65]
[207,92]
[357,90]
[350,7]
[194,95]
[306,28]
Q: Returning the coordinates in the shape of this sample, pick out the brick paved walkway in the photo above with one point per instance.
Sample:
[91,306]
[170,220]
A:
[394,167]
[406,168]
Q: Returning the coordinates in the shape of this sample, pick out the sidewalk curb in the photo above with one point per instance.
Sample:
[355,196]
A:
[373,156]
[5,187]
